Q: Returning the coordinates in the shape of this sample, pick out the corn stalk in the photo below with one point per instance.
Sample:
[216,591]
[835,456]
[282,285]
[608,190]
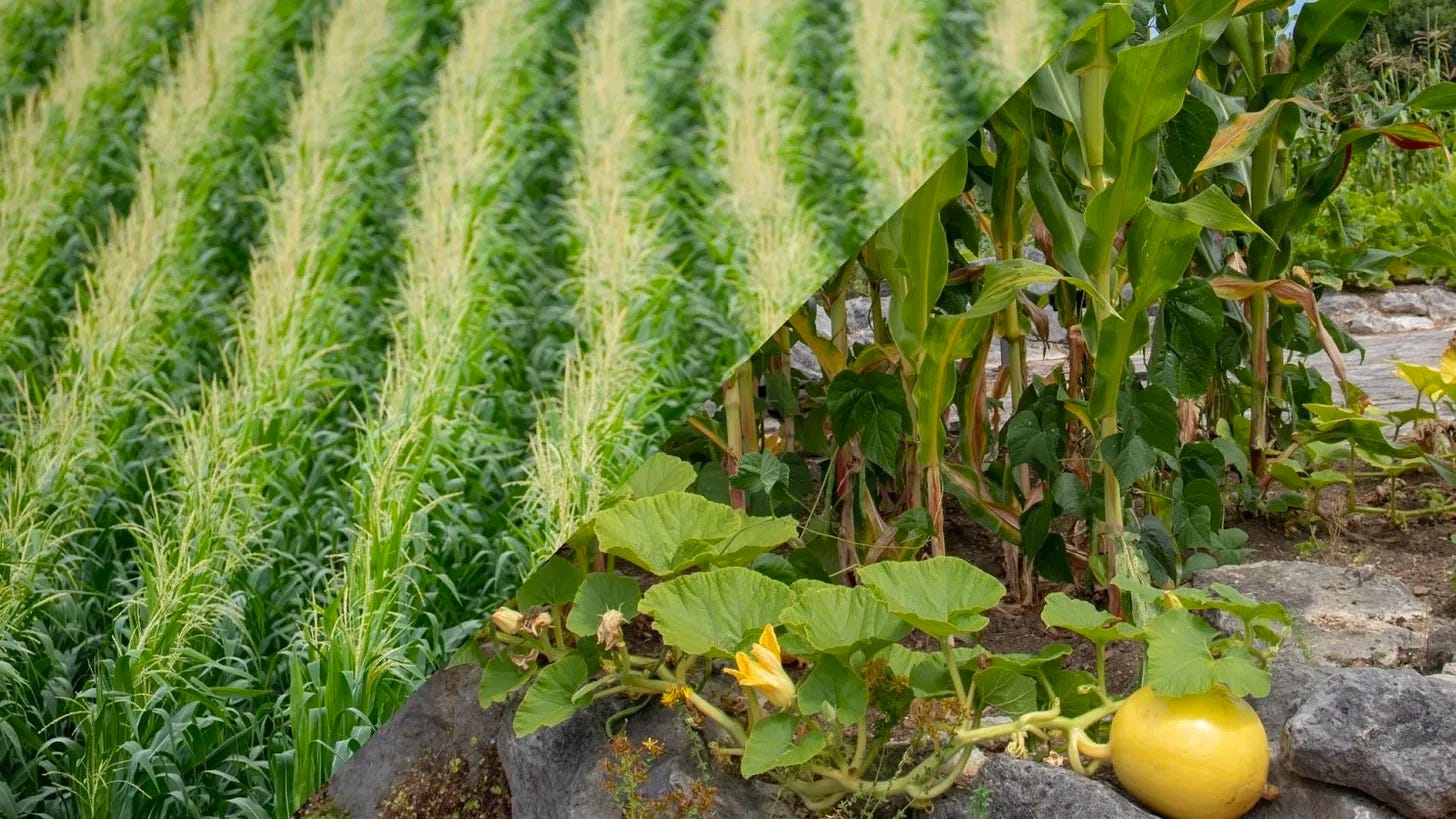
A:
[330,215]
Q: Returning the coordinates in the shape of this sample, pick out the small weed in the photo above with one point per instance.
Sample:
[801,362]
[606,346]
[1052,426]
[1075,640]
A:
[627,767]
[1312,547]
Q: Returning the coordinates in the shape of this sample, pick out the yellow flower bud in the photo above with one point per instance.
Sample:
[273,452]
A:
[507,620]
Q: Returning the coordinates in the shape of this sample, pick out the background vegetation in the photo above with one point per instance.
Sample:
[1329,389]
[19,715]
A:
[322,321]
[1393,200]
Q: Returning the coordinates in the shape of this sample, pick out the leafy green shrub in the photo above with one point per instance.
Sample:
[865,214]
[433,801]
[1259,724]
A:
[1354,227]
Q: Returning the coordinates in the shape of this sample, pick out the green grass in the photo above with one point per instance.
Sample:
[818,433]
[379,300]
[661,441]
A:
[259,444]
[68,160]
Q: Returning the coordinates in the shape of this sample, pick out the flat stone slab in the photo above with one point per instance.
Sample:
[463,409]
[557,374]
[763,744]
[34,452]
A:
[1342,616]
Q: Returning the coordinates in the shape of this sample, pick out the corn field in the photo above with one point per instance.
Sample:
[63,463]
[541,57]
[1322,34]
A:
[322,321]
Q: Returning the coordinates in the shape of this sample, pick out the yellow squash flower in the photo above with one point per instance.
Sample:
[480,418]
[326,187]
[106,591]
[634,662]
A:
[764,671]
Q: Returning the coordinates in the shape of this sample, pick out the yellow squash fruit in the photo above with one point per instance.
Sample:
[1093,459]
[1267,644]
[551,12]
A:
[1203,756]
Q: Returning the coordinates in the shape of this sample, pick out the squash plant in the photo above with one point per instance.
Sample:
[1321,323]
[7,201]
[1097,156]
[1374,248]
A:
[834,727]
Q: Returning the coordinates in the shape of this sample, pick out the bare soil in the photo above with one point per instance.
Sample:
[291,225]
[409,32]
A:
[1418,550]
[1021,629]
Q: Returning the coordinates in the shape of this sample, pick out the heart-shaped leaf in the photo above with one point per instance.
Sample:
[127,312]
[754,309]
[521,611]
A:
[551,699]
[1009,692]
[772,745]
[715,613]
[1081,617]
[599,593]
[941,596]
[834,691]
[499,677]
[671,531]
[661,473]
[840,620]
[554,583]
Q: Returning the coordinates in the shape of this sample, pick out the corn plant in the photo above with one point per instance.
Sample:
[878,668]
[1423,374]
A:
[369,648]
[908,123]
[1137,198]
[68,161]
[1260,114]
[757,130]
[622,261]
[145,328]
[185,641]
[830,180]
[31,34]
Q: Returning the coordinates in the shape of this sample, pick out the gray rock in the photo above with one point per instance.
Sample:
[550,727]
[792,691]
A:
[1367,323]
[1021,788]
[801,358]
[1440,304]
[443,719]
[1402,303]
[1338,305]
[1388,733]
[1290,682]
[1301,798]
[558,771]
[1342,617]
[1441,644]
[1410,324]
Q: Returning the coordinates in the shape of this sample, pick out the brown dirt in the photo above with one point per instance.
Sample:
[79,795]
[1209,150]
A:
[450,785]
[1418,551]
[1021,630]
